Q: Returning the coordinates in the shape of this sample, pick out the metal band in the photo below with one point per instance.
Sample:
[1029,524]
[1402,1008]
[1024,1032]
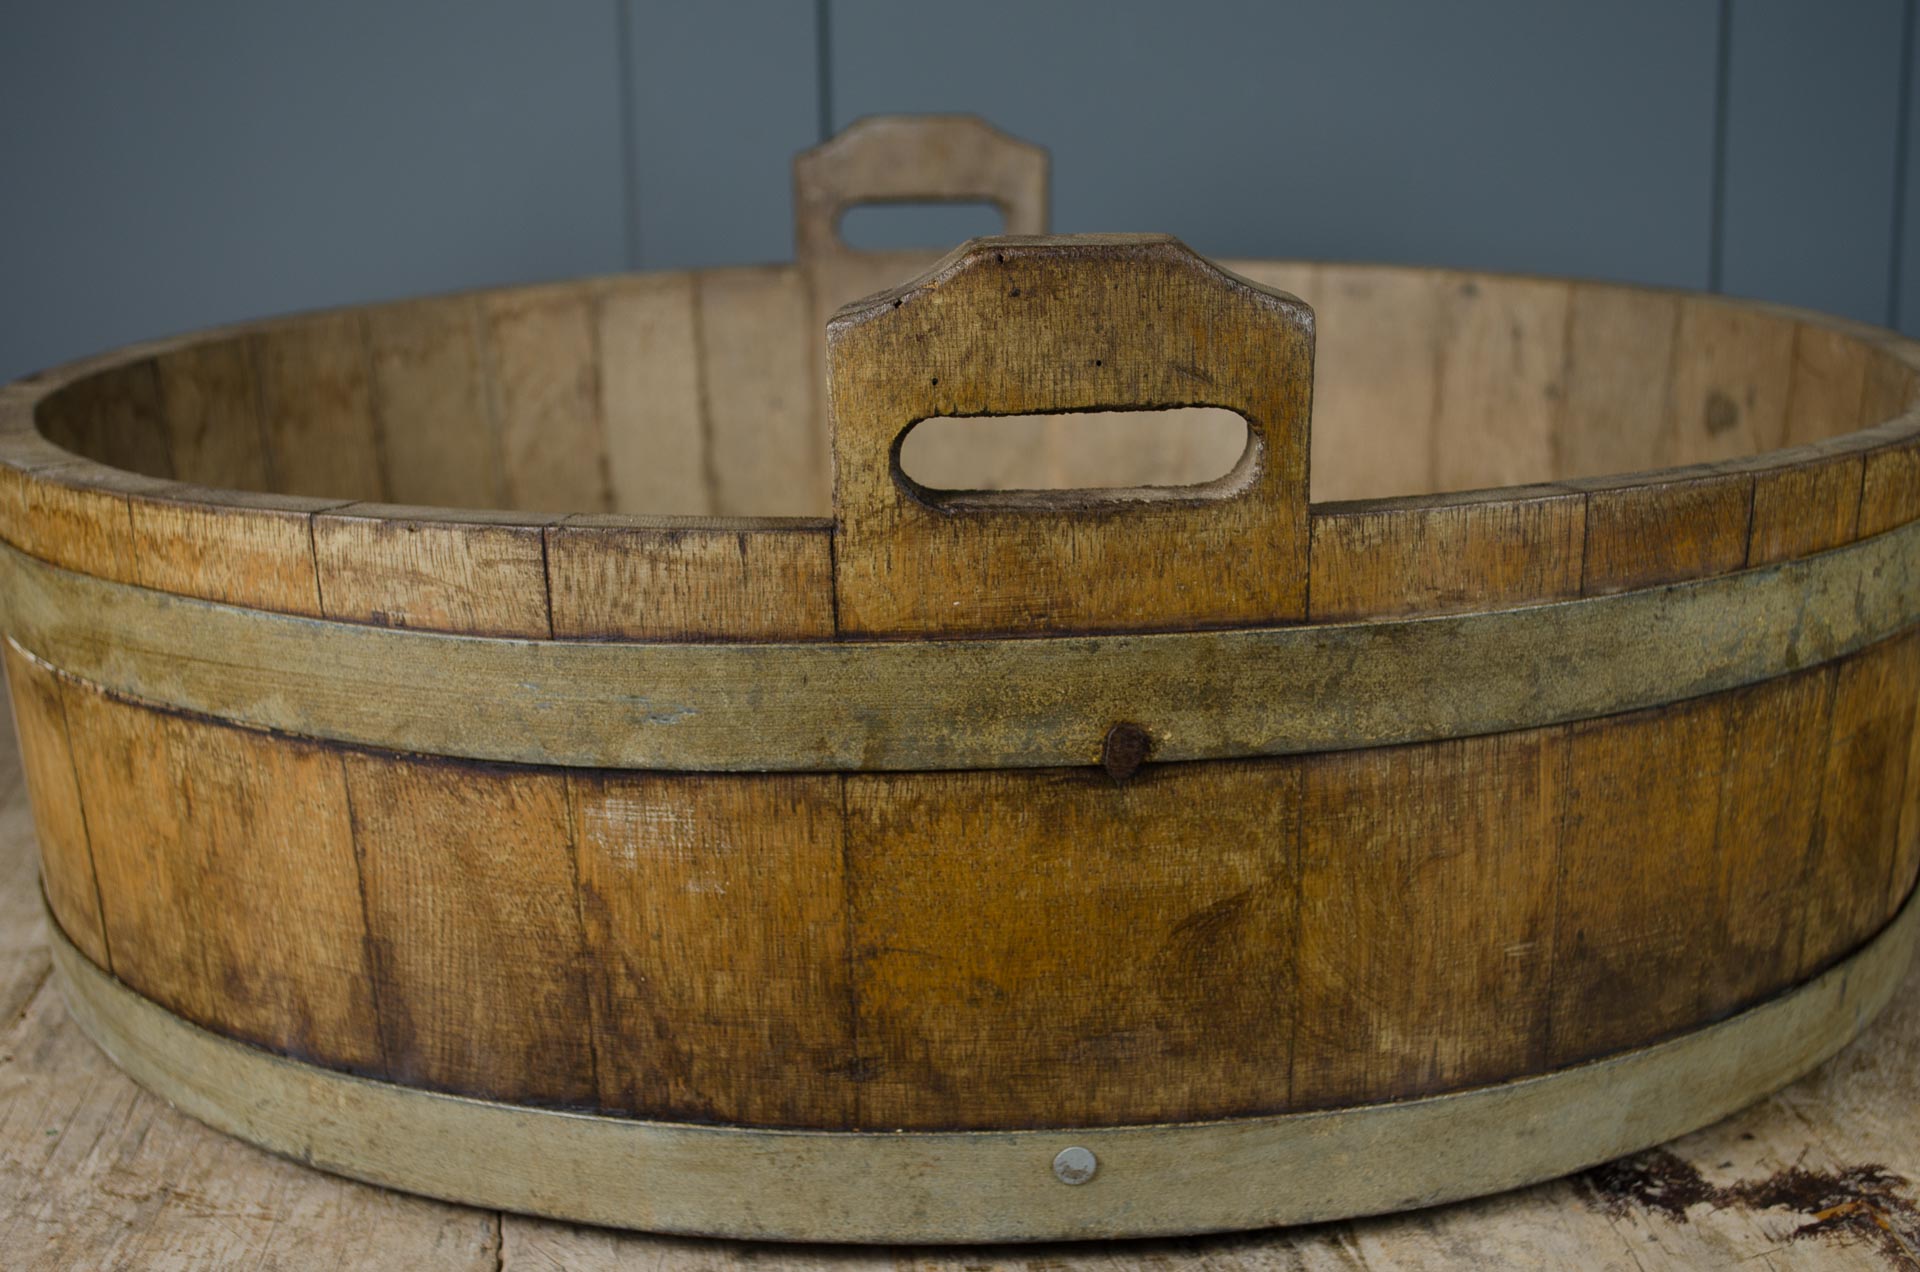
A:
[986,1186]
[1012,703]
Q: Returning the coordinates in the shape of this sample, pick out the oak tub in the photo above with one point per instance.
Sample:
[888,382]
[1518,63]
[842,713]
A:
[474,746]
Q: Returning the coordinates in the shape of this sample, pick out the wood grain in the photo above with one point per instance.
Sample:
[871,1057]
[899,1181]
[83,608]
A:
[904,159]
[1620,367]
[1100,450]
[1051,948]
[440,445]
[113,416]
[1637,872]
[1890,484]
[650,397]
[1732,366]
[1376,559]
[26,963]
[1906,852]
[124,1179]
[1683,523]
[1827,387]
[1067,561]
[760,361]
[715,909]
[210,407]
[543,358]
[1023,948]
[680,945]
[1501,381]
[480,573]
[1805,500]
[316,407]
[920,158]
[752,949]
[227,879]
[237,547]
[473,925]
[60,825]
[1892,383]
[915,159]
[96,1173]
[1424,957]
[73,513]
[1376,370]
[1847,881]
[1765,829]
[649,579]
[703,392]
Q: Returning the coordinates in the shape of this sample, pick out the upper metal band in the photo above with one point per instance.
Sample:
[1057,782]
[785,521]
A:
[907,705]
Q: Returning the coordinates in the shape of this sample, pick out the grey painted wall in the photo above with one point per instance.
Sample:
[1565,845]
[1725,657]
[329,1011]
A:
[173,166]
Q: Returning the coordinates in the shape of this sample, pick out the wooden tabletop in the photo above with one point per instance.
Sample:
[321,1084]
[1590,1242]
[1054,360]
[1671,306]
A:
[96,1173]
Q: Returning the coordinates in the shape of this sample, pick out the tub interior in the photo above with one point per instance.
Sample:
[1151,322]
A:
[701,393]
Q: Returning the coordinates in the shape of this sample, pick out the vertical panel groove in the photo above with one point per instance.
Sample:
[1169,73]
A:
[376,408]
[1902,135]
[569,811]
[597,362]
[1816,836]
[709,462]
[1437,351]
[849,899]
[86,830]
[1296,830]
[1563,745]
[487,367]
[1717,193]
[313,560]
[158,390]
[268,463]
[823,64]
[629,149]
[546,575]
[376,970]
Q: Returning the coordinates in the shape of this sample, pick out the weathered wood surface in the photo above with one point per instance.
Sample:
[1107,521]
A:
[666,414]
[95,1173]
[985,949]
[1015,326]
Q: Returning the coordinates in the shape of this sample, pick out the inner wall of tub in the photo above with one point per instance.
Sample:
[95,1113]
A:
[702,394]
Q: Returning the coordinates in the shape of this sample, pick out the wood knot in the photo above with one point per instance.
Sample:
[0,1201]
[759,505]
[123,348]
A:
[1124,750]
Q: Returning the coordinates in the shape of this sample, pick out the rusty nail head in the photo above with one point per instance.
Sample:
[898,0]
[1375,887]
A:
[1124,750]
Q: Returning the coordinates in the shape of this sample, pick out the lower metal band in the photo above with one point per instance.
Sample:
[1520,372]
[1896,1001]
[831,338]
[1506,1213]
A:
[987,1186]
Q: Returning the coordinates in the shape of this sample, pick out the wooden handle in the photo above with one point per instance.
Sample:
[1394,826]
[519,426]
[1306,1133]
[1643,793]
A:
[915,158]
[1013,326]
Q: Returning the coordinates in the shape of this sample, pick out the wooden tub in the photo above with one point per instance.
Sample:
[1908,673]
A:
[473,750]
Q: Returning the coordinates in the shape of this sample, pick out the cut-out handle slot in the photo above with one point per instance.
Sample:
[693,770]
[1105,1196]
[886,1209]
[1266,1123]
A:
[904,225]
[1092,323]
[914,159]
[1180,451]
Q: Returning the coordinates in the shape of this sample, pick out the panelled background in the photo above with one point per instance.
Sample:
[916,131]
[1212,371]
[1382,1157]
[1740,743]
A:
[172,166]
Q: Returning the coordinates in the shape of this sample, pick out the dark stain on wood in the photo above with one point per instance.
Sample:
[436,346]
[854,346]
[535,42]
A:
[1852,1205]
[1722,413]
[1657,1180]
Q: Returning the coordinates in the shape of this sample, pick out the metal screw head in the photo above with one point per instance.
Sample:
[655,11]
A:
[1074,1165]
